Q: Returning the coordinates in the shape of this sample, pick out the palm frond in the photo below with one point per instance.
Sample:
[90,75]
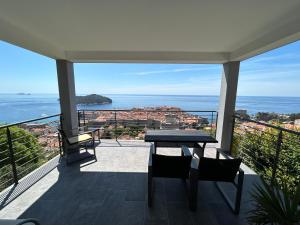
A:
[274,206]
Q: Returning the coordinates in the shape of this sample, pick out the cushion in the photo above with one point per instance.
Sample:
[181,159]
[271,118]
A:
[79,138]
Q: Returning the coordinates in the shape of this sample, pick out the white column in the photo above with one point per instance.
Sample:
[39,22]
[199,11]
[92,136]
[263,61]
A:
[227,104]
[66,85]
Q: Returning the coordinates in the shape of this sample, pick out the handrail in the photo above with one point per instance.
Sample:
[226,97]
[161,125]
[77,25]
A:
[267,125]
[15,158]
[274,146]
[211,115]
[140,109]
[28,121]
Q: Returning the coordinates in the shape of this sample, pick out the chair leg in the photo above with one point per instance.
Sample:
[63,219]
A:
[150,186]
[193,189]
[199,151]
[239,192]
[94,148]
[217,155]
[234,206]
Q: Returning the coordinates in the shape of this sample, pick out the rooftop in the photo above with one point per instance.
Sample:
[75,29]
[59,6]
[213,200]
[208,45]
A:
[113,191]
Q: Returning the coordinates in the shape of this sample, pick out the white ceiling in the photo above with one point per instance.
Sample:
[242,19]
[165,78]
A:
[190,31]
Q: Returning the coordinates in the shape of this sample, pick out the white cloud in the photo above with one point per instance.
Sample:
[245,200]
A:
[179,70]
[265,59]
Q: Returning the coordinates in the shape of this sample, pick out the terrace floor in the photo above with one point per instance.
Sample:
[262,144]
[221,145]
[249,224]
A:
[113,190]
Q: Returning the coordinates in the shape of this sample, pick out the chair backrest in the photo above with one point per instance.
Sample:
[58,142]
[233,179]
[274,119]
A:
[171,166]
[218,169]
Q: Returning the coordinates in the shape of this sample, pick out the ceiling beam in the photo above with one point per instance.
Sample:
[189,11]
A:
[146,57]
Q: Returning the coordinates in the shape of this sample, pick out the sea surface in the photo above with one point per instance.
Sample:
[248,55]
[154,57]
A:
[15,108]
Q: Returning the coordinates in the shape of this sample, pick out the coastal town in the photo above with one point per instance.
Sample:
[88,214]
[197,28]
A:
[126,124]
[150,117]
[132,124]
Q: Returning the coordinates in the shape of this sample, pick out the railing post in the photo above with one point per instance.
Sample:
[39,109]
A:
[116,125]
[232,134]
[216,122]
[78,115]
[12,156]
[278,149]
[83,117]
[146,120]
[211,121]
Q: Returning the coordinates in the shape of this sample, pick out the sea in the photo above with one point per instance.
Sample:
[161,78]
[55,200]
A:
[16,107]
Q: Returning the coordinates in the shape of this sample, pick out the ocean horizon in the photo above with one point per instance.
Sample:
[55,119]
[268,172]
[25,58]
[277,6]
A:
[16,107]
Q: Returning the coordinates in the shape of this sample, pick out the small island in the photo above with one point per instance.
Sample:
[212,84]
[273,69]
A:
[21,93]
[93,99]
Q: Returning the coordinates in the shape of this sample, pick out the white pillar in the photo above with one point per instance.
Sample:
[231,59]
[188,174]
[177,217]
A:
[227,104]
[66,86]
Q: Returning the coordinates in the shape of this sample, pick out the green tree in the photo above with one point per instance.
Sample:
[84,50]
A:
[27,153]
[266,116]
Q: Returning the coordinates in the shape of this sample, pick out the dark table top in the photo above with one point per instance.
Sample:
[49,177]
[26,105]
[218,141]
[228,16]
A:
[178,136]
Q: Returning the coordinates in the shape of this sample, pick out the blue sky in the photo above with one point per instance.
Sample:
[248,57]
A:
[275,73]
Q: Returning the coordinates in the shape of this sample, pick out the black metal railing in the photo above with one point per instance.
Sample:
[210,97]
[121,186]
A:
[132,124]
[271,150]
[25,146]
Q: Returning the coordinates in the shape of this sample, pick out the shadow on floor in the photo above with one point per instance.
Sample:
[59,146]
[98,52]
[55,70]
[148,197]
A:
[14,191]
[89,197]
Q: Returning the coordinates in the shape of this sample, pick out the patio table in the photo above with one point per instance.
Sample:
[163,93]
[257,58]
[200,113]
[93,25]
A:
[177,138]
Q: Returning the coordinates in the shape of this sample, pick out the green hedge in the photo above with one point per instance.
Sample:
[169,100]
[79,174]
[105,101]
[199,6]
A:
[258,150]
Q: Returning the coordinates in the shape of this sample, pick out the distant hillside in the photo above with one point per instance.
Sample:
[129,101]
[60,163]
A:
[93,99]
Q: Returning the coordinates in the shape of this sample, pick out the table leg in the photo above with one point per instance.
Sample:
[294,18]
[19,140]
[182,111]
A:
[199,150]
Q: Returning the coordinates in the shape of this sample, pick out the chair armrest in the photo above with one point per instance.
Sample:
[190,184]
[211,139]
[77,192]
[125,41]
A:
[185,151]
[19,221]
[25,221]
[150,155]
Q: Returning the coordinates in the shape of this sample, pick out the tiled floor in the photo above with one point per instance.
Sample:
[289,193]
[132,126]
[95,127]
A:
[113,190]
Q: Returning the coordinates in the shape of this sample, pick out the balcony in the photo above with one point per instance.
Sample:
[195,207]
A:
[113,190]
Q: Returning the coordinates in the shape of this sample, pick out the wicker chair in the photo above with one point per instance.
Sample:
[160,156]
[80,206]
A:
[71,144]
[217,170]
[167,166]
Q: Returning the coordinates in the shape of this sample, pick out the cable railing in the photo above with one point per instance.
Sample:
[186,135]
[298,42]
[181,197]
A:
[271,150]
[132,124]
[25,146]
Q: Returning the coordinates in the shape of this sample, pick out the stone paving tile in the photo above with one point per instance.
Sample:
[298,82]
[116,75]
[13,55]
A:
[113,190]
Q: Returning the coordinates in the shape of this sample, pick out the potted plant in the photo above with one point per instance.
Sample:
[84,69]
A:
[274,205]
